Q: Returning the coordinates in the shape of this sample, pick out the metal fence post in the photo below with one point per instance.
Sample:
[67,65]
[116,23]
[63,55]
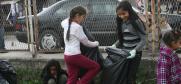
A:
[32,49]
[147,22]
[27,23]
[153,27]
[36,30]
[158,22]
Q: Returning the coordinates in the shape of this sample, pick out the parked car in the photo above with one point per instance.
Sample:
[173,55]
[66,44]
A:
[100,22]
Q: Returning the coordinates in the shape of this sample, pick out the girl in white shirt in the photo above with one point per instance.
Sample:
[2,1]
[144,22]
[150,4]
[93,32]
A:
[73,36]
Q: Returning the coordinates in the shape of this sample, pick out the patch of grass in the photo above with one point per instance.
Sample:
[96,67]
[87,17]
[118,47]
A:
[146,74]
[29,76]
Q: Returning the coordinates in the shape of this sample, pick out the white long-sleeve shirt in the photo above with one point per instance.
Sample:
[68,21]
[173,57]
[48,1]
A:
[77,36]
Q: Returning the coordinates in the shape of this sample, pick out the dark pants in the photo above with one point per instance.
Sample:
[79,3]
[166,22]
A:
[75,63]
[2,44]
[2,80]
[133,68]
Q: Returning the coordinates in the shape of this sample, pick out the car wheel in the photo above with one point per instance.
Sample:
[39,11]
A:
[49,39]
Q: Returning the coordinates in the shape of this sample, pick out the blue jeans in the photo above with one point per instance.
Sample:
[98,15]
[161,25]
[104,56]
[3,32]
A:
[2,44]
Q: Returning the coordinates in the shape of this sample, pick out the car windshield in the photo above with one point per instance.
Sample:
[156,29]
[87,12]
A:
[48,8]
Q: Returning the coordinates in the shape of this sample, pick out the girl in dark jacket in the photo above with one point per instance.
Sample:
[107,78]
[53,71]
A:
[53,73]
[132,36]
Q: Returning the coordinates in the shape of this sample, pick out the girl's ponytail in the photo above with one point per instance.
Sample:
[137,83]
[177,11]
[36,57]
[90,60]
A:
[68,32]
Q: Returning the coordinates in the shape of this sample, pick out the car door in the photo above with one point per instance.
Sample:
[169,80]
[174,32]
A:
[103,17]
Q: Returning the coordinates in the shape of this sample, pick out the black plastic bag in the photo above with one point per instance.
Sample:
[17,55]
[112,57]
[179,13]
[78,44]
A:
[8,72]
[115,67]
[92,53]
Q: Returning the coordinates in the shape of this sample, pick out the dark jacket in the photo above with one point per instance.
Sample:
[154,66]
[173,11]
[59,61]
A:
[131,35]
[46,76]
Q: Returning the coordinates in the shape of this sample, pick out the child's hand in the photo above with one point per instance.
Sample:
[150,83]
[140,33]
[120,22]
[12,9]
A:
[97,43]
[114,46]
[133,54]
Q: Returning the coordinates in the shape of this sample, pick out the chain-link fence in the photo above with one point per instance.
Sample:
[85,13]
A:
[48,34]
[35,25]
[22,18]
[10,10]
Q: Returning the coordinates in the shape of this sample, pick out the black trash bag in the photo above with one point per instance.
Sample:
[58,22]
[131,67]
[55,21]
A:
[92,53]
[8,72]
[115,67]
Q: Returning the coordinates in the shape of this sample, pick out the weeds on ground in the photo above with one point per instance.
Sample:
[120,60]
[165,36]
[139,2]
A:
[146,74]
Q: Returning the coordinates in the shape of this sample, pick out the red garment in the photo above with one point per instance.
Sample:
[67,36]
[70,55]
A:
[168,67]
[74,63]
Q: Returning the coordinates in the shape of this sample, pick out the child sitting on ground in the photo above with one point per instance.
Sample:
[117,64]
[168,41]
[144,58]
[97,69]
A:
[53,73]
[168,66]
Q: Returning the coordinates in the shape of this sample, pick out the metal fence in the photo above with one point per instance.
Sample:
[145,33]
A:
[8,21]
[36,25]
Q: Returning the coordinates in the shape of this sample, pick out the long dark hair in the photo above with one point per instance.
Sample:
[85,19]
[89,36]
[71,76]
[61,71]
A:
[126,6]
[171,36]
[77,10]
[46,75]
[133,16]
